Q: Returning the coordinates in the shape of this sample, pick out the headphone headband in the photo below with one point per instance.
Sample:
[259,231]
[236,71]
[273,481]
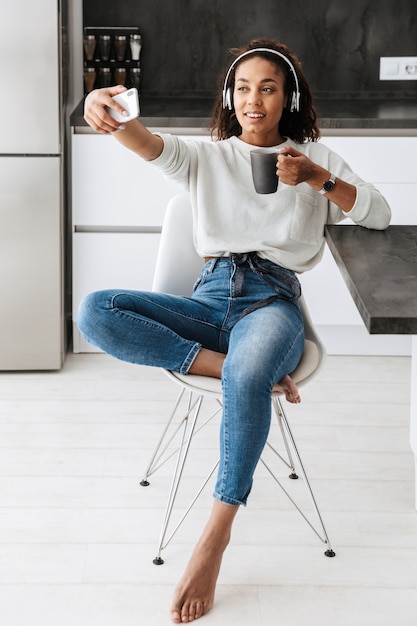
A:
[227,91]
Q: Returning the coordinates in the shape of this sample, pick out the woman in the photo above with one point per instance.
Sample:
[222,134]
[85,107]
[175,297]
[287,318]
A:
[243,322]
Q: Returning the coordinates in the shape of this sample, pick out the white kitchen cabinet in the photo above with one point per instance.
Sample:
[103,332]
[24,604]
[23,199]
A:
[118,204]
[378,159]
[110,260]
[115,187]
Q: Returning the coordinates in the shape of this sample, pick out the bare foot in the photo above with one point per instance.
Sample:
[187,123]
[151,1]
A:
[288,387]
[210,363]
[194,594]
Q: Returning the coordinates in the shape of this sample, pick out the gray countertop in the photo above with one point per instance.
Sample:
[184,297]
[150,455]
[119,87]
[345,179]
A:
[380,271]
[337,115]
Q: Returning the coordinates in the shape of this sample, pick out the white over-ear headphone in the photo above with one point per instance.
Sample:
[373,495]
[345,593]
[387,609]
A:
[294,98]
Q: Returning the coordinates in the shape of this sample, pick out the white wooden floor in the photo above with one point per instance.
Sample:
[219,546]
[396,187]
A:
[78,533]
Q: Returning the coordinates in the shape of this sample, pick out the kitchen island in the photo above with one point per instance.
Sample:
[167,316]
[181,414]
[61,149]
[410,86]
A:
[380,270]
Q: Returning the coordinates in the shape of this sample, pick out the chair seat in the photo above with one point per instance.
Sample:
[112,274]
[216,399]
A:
[308,365]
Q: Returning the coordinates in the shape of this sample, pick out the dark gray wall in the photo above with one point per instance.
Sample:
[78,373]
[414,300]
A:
[185,42]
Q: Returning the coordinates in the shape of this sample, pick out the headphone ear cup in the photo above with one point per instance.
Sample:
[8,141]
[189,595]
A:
[228,101]
[293,102]
[290,102]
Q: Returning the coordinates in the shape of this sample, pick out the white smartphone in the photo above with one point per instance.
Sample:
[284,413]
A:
[130,102]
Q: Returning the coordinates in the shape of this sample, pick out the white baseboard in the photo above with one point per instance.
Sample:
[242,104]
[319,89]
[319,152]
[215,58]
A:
[79,344]
[356,340]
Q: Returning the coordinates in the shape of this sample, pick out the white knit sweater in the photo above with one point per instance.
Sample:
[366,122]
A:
[286,227]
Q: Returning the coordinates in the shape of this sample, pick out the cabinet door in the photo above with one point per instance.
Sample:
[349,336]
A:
[113,260]
[110,260]
[112,186]
[378,159]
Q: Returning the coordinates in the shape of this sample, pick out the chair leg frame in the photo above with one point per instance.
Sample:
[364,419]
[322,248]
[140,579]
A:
[188,423]
[291,449]
[160,456]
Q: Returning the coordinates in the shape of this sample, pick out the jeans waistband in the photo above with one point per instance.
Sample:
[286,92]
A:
[264,268]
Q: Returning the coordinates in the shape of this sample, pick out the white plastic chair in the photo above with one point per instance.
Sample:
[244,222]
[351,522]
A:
[177,268]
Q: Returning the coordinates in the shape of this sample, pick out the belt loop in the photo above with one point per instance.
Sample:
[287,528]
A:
[212,265]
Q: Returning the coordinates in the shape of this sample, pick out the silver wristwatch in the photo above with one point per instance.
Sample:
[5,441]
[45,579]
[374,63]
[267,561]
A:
[329,185]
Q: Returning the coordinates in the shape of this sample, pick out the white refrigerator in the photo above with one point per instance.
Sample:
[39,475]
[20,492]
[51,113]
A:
[35,41]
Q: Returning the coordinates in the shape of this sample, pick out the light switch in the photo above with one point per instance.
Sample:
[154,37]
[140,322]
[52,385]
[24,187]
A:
[392,69]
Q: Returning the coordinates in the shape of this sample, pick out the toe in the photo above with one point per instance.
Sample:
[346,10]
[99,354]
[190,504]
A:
[192,611]
[186,615]
[176,617]
[175,614]
[199,610]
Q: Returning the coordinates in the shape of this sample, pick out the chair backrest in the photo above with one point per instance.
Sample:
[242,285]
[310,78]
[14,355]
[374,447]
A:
[178,264]
[178,267]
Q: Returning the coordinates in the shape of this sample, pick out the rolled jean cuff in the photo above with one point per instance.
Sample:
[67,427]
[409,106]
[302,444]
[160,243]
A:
[189,360]
[227,500]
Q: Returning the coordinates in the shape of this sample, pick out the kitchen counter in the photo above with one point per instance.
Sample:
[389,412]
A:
[362,115]
[379,268]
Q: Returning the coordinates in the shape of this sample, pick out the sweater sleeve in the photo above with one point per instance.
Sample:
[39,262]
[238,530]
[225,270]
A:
[175,161]
[370,210]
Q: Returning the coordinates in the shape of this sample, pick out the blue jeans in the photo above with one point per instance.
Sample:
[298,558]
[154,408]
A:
[242,306]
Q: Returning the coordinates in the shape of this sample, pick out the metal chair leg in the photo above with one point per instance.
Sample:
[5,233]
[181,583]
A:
[179,468]
[188,423]
[291,446]
[158,453]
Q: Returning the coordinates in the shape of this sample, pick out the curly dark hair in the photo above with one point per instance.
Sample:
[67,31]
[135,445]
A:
[300,126]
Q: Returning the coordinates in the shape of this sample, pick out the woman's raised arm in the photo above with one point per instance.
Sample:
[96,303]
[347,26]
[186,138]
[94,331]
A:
[133,135]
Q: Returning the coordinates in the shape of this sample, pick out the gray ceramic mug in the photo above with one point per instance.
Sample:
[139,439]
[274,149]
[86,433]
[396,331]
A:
[264,169]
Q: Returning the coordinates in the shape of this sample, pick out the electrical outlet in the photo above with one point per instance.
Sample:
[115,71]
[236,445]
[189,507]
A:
[398,68]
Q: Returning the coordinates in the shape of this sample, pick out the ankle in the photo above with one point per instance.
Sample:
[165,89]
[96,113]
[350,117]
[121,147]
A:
[219,527]
[208,363]
[214,540]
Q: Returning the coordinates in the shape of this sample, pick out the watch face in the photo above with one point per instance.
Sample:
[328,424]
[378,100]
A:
[328,185]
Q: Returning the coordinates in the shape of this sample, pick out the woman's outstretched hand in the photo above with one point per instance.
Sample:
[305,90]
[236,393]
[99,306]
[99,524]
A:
[95,112]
